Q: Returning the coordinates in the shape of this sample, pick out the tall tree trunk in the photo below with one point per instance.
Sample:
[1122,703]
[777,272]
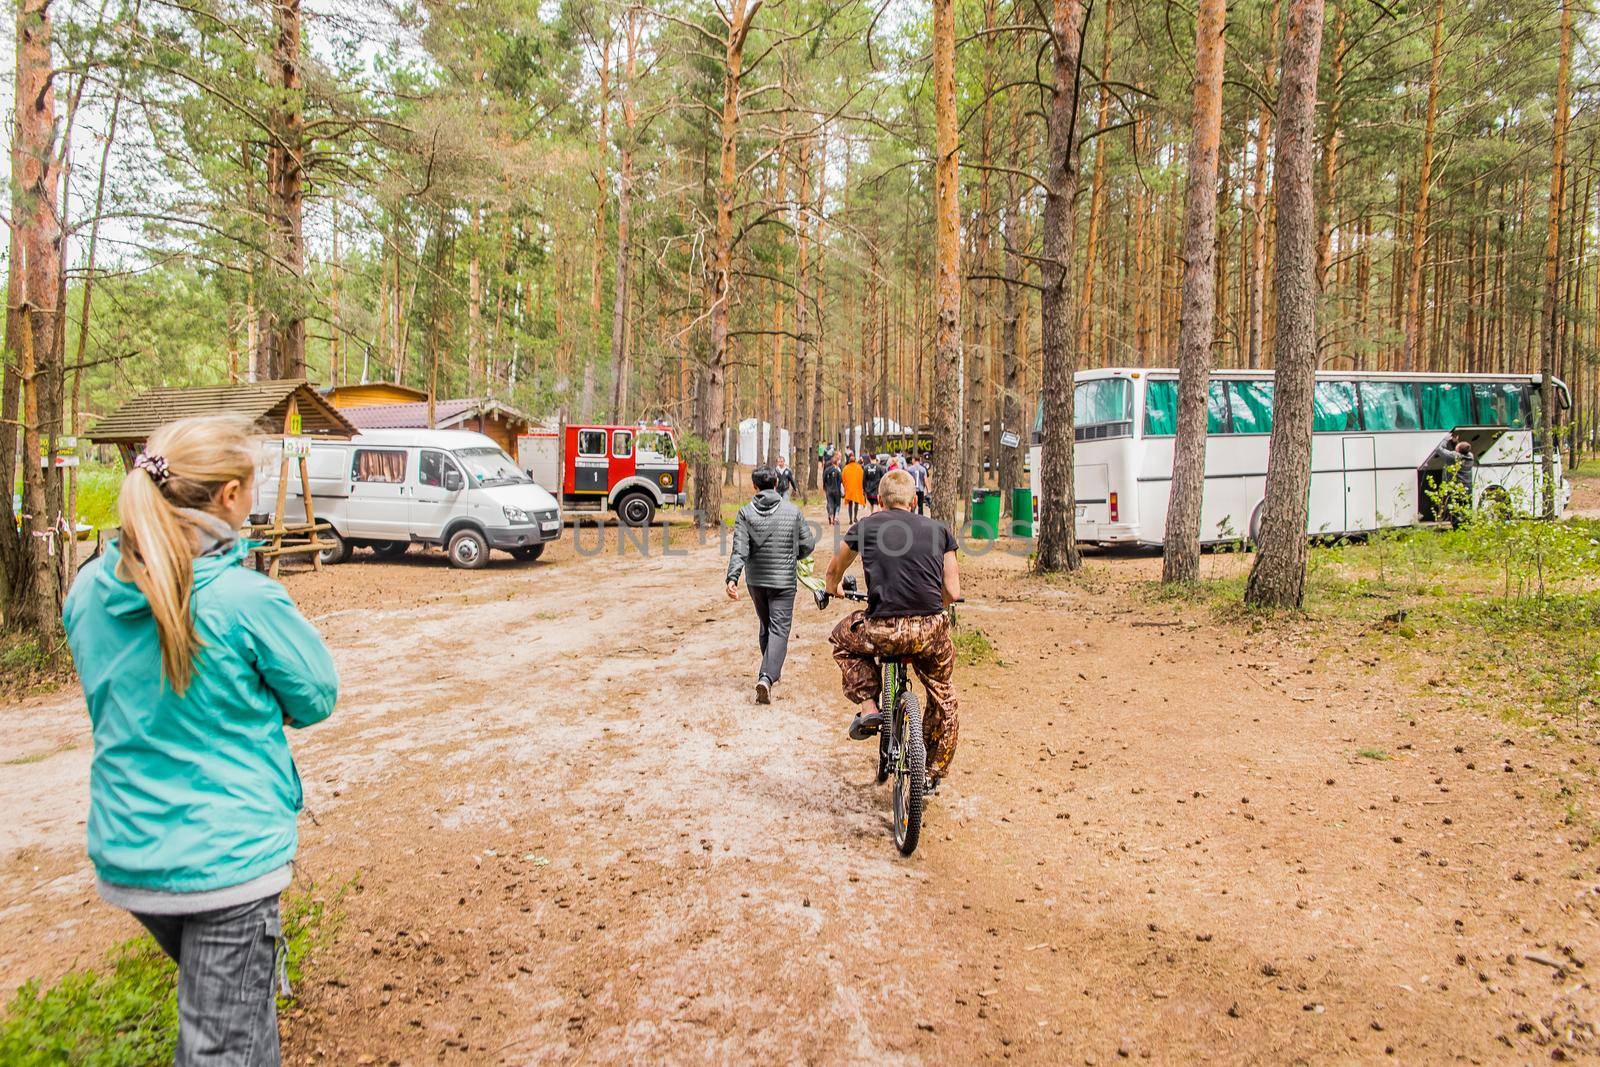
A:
[33,593]
[286,180]
[1012,415]
[1411,352]
[1278,576]
[1551,314]
[719,273]
[798,413]
[1330,150]
[1058,542]
[1256,324]
[1097,190]
[1182,554]
[947,288]
[620,284]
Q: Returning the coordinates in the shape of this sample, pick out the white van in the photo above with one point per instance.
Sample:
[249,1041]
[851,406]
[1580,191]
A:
[389,489]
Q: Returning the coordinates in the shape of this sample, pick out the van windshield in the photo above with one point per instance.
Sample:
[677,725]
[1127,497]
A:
[490,466]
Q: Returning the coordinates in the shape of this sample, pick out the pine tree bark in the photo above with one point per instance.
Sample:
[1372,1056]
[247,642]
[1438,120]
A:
[719,274]
[947,287]
[798,415]
[286,174]
[620,292]
[1097,191]
[1181,562]
[1256,322]
[1411,352]
[34,366]
[1058,542]
[1551,314]
[1277,579]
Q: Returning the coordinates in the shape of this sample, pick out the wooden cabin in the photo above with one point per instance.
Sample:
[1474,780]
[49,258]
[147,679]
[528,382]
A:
[368,394]
[496,420]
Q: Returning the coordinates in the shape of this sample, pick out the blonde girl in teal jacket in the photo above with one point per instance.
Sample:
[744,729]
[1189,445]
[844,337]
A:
[192,665]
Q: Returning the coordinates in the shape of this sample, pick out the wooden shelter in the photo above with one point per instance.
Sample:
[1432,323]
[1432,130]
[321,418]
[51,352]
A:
[288,410]
[367,394]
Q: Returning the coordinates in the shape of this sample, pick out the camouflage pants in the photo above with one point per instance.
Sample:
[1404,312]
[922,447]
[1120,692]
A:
[923,641]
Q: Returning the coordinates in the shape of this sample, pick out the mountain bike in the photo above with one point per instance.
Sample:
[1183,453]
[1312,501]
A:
[902,753]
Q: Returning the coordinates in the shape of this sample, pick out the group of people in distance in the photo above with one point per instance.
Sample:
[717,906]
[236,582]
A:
[853,482]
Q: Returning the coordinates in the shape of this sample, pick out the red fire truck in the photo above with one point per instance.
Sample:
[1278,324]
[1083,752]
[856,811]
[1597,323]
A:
[632,470]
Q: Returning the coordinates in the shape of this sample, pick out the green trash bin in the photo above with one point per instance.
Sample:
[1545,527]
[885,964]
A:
[1022,513]
[984,514]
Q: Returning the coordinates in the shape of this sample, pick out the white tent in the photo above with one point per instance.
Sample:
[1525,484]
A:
[759,442]
[877,427]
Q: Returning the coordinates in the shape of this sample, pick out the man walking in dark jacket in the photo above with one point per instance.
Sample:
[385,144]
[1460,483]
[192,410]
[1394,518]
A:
[769,536]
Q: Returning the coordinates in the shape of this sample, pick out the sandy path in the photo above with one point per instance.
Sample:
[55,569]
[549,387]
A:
[578,840]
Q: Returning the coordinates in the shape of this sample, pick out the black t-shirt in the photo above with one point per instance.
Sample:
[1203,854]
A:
[832,480]
[903,555]
[871,476]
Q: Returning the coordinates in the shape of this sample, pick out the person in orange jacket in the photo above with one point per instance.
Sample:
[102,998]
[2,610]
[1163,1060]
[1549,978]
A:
[855,494]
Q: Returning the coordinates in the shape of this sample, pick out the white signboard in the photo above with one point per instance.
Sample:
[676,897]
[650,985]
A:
[296,447]
[1009,439]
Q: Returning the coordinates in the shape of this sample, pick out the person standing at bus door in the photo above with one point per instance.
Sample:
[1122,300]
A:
[833,488]
[871,477]
[852,478]
[786,484]
[770,536]
[919,474]
[192,665]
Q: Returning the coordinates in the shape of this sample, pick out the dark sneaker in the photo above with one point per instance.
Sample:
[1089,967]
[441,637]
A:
[763,690]
[865,726]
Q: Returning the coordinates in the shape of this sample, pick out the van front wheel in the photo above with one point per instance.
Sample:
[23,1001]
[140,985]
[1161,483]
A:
[468,550]
[337,550]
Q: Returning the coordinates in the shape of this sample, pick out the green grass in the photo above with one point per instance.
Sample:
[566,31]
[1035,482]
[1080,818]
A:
[973,647]
[1376,754]
[29,663]
[98,486]
[1500,615]
[124,1013]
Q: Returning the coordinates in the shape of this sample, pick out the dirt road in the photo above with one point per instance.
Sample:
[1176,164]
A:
[578,840]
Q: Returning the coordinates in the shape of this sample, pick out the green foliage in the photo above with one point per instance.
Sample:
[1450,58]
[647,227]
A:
[973,647]
[125,1013]
[98,486]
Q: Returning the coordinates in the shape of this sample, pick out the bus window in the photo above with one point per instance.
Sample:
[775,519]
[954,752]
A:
[1334,408]
[1389,406]
[1501,404]
[1251,404]
[1103,400]
[1446,405]
[1217,409]
[1161,408]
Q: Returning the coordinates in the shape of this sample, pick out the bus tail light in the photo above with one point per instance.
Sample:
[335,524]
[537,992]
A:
[1113,500]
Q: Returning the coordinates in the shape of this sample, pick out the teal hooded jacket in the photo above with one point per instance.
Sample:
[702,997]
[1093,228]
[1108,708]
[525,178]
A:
[195,792]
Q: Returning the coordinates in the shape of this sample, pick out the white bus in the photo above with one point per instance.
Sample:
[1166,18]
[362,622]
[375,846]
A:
[1374,434]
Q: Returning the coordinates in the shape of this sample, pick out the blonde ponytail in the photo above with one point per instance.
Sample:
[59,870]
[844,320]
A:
[197,456]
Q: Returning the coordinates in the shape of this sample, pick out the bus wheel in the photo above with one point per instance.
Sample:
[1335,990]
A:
[468,550]
[528,553]
[1498,503]
[1255,522]
[636,509]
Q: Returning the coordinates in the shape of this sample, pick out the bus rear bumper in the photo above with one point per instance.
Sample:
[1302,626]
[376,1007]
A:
[1105,533]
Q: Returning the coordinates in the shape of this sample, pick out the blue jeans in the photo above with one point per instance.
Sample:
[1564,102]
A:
[227,963]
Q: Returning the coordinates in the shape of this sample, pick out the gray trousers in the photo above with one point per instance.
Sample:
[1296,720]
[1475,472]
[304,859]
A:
[775,613]
[227,962]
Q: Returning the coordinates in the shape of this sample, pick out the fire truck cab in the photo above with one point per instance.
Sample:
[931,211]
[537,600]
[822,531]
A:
[631,470]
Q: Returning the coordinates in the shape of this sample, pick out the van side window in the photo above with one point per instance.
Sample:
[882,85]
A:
[622,444]
[591,442]
[379,465]
[431,468]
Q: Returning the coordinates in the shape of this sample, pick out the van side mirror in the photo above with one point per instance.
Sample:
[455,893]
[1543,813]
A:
[452,480]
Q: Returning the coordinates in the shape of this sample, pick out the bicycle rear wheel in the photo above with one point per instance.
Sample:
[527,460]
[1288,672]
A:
[910,774]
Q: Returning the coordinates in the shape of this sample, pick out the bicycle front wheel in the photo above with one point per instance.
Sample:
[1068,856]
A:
[910,774]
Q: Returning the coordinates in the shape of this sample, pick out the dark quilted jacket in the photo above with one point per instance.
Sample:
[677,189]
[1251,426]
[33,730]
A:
[769,536]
